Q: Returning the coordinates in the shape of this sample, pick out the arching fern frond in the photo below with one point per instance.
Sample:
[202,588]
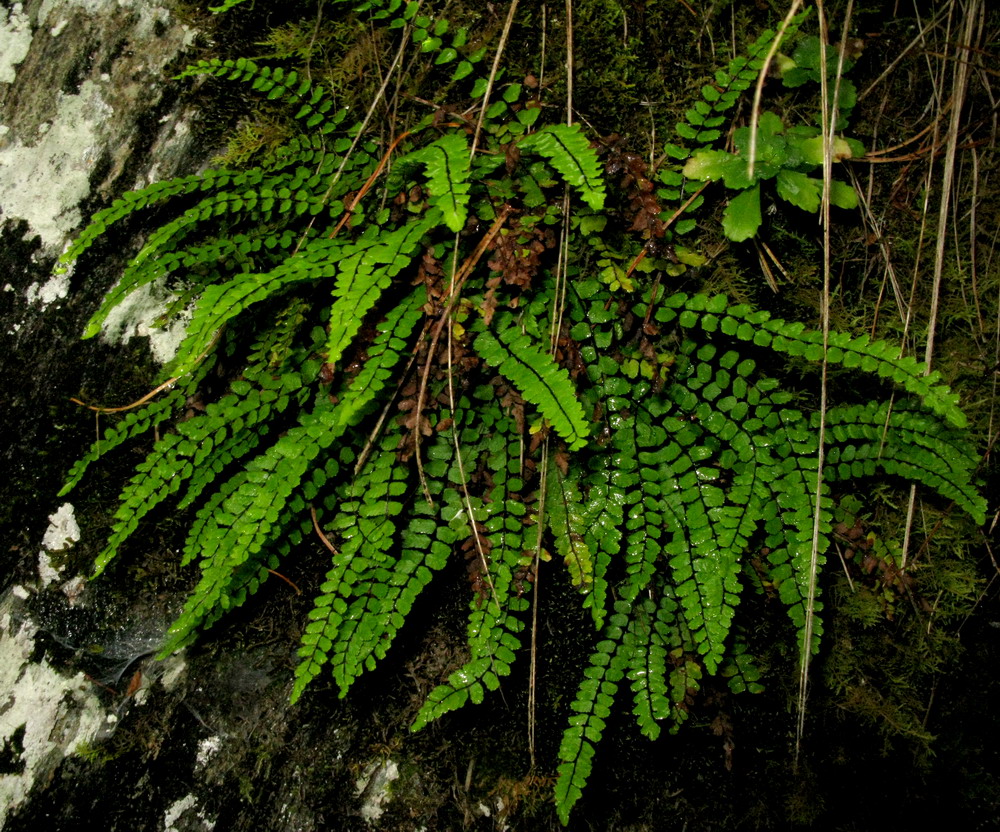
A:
[713,313]
[447,163]
[538,379]
[569,152]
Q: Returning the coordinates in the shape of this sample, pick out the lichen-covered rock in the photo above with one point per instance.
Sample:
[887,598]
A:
[86,111]
[45,715]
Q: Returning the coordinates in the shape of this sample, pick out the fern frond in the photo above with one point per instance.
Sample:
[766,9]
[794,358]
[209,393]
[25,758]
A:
[447,163]
[605,502]
[539,379]
[493,623]
[366,526]
[220,303]
[241,524]
[133,201]
[134,423]
[648,669]
[235,535]
[569,152]
[313,102]
[789,522]
[702,122]
[713,313]
[195,455]
[234,427]
[592,706]
[365,270]
[905,440]
[567,520]
[740,669]
[225,6]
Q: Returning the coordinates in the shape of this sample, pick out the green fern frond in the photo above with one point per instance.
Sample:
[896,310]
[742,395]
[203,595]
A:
[569,152]
[903,439]
[236,534]
[134,423]
[567,520]
[315,106]
[365,270]
[365,525]
[493,623]
[702,123]
[240,525]
[447,163]
[225,6]
[605,503]
[789,525]
[740,669]
[592,707]
[133,201]
[539,379]
[233,427]
[648,669]
[713,313]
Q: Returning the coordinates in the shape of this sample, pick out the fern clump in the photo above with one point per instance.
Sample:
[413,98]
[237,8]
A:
[424,372]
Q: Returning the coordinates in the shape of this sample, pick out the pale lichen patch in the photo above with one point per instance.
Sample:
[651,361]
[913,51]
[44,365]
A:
[139,314]
[55,288]
[49,714]
[45,182]
[186,807]
[375,786]
[15,41]
[62,533]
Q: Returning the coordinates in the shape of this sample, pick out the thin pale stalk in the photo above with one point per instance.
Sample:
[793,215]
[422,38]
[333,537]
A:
[959,86]
[759,89]
[829,127]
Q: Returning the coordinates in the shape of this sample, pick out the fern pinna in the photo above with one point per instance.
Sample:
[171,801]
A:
[421,382]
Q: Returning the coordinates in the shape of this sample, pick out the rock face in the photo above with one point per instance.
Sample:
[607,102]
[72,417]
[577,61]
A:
[83,112]
[96,734]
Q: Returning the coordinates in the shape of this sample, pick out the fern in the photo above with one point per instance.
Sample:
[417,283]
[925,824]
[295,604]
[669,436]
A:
[135,423]
[681,476]
[567,518]
[493,612]
[592,707]
[447,164]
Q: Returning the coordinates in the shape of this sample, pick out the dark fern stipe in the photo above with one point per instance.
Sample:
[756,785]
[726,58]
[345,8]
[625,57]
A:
[440,386]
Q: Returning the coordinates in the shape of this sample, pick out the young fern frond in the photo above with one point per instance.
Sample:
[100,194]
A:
[539,380]
[703,121]
[569,152]
[447,163]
